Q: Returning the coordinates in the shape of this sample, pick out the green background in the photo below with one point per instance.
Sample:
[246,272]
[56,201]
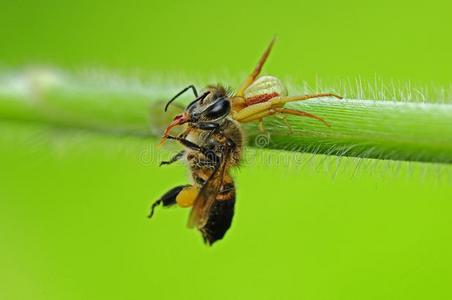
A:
[73,204]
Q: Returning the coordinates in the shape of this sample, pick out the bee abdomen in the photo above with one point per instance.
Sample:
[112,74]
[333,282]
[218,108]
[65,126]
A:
[227,192]
[219,220]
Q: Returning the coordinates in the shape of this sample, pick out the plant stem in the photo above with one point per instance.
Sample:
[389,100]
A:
[362,128]
[366,128]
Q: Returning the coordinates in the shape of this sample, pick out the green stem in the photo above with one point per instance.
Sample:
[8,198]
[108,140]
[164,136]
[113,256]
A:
[365,128]
[362,128]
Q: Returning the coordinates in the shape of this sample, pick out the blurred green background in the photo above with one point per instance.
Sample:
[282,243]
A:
[73,204]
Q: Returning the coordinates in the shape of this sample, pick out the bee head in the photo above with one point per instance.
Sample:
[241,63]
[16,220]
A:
[210,110]
[212,106]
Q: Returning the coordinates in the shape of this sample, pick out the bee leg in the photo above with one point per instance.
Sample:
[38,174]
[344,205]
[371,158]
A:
[206,125]
[186,143]
[168,199]
[208,153]
[173,159]
[252,77]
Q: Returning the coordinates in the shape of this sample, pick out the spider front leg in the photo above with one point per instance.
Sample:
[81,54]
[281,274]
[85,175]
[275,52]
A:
[252,77]
[275,105]
[286,122]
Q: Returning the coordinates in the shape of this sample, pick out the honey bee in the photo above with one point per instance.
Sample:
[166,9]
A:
[213,142]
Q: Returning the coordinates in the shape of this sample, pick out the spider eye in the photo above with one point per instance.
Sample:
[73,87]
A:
[218,109]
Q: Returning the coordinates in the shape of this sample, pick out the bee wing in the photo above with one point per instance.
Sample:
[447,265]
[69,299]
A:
[208,193]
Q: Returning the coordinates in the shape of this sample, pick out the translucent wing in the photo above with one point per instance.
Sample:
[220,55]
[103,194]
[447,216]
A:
[208,193]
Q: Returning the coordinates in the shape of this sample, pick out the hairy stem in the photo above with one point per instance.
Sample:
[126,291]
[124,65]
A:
[365,128]
[419,131]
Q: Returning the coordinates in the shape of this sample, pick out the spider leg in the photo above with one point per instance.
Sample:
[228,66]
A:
[250,79]
[263,109]
[284,119]
[300,113]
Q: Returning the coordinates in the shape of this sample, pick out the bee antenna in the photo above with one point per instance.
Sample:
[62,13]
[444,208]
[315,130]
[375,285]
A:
[200,98]
[191,86]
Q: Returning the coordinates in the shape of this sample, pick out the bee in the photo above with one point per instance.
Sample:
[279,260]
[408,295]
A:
[213,143]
